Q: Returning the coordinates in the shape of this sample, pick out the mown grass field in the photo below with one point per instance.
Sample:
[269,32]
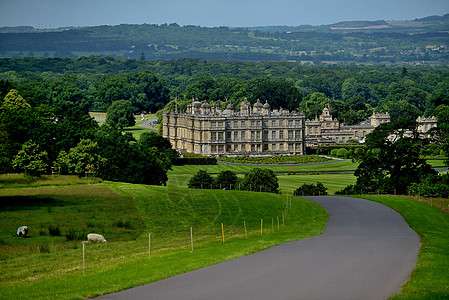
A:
[345,165]
[287,183]
[46,266]
[430,278]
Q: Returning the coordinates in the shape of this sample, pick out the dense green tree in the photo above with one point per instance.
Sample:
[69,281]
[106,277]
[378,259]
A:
[442,115]
[121,112]
[13,100]
[127,161]
[153,140]
[200,180]
[260,180]
[392,161]
[226,179]
[278,93]
[311,190]
[82,159]
[313,104]
[31,160]
[5,87]
[146,92]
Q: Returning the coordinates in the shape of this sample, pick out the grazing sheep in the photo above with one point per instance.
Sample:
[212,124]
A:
[22,231]
[95,238]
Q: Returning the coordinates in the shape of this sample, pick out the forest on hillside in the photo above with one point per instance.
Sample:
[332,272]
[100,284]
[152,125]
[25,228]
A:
[415,42]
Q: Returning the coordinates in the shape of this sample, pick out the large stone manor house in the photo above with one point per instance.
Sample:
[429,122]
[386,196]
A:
[260,131]
[255,130]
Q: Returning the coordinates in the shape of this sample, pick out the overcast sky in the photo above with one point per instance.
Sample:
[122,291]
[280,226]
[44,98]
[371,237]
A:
[61,13]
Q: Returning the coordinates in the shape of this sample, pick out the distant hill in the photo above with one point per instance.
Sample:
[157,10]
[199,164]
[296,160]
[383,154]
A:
[416,41]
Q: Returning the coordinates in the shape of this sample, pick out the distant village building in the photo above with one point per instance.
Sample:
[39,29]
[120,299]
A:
[260,131]
[255,130]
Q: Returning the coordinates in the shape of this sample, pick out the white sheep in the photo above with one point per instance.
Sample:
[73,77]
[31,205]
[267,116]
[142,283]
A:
[95,238]
[22,231]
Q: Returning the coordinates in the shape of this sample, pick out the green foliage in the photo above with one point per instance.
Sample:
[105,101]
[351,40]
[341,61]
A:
[260,179]
[129,162]
[327,150]
[13,100]
[443,128]
[431,186]
[275,160]
[31,160]
[121,112]
[80,159]
[226,179]
[145,91]
[348,190]
[181,161]
[392,165]
[342,152]
[311,190]
[200,180]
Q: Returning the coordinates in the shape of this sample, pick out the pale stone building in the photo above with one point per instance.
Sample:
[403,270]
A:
[255,130]
[324,129]
[258,130]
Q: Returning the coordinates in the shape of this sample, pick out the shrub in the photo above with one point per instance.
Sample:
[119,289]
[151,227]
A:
[334,152]
[226,179]
[260,180]
[342,152]
[201,180]
[358,152]
[72,235]
[350,153]
[311,190]
[54,230]
[44,249]
[179,161]
[431,186]
[123,224]
[347,190]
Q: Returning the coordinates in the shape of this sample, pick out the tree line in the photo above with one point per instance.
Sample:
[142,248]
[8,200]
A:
[351,92]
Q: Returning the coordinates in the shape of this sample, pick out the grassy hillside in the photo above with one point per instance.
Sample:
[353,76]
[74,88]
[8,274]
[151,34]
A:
[46,266]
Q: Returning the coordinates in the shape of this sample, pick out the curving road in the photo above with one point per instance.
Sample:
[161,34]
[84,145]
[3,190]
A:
[367,251]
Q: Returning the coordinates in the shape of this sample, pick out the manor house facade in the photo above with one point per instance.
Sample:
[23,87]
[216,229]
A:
[260,131]
[255,130]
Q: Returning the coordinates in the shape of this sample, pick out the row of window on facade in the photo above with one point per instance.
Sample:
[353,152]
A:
[256,135]
[257,147]
[255,123]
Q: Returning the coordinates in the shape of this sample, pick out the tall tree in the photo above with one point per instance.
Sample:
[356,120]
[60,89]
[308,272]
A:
[392,161]
[121,112]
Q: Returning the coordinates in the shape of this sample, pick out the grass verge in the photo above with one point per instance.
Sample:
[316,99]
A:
[430,278]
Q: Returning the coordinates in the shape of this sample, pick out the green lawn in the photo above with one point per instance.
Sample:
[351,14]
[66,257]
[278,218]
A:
[436,162]
[346,165]
[45,266]
[334,182]
[287,183]
[137,130]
